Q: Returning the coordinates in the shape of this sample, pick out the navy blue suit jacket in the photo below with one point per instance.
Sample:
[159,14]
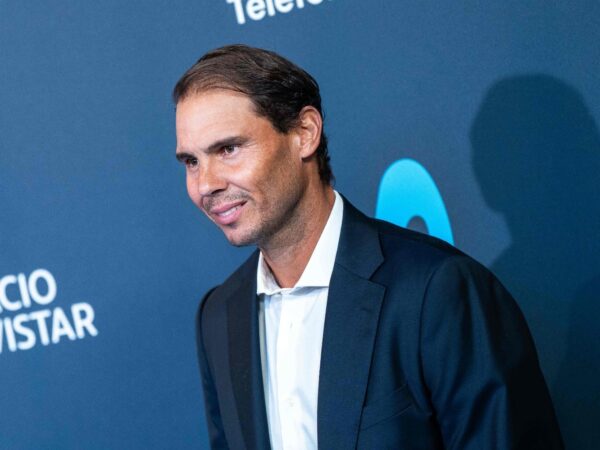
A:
[423,348]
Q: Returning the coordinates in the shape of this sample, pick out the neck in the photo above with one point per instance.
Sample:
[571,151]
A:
[288,258]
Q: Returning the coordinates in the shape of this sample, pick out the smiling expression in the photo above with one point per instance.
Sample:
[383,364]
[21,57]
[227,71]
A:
[247,177]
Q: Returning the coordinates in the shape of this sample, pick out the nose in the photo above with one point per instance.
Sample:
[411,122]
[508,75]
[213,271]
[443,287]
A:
[209,178]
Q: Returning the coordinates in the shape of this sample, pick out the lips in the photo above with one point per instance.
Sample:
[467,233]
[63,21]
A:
[227,214]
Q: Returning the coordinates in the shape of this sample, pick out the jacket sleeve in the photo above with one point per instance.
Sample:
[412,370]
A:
[480,365]
[216,433]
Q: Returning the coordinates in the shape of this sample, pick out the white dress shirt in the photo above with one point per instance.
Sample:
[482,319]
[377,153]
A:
[292,321]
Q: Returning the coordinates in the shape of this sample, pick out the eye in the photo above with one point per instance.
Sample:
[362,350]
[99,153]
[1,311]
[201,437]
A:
[229,150]
[190,162]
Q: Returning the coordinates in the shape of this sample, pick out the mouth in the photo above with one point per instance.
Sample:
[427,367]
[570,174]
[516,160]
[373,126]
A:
[228,213]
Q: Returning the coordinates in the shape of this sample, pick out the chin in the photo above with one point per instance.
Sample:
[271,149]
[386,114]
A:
[240,240]
[240,243]
[243,235]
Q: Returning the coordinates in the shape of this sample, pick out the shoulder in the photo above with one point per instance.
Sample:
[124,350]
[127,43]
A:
[447,288]
[422,255]
[399,238]
[427,274]
[432,281]
[404,258]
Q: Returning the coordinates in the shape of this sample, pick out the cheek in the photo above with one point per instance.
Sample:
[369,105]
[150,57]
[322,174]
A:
[245,176]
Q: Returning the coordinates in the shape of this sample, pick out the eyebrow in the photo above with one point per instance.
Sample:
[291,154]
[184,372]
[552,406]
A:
[230,140]
[183,156]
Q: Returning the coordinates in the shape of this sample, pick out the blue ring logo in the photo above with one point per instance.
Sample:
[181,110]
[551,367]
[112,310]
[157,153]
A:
[408,191]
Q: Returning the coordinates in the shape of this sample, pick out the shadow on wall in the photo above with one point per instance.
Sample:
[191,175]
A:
[536,155]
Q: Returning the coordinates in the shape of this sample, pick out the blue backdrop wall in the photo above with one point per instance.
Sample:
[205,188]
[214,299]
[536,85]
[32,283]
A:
[103,258]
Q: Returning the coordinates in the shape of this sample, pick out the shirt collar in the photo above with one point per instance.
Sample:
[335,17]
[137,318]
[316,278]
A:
[317,272]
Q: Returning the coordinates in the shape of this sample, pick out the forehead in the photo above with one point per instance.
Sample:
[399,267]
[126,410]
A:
[212,109]
[208,117]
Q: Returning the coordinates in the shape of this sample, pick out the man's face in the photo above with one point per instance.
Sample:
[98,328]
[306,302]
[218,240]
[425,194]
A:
[241,172]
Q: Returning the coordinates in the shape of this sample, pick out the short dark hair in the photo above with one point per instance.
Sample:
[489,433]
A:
[278,88]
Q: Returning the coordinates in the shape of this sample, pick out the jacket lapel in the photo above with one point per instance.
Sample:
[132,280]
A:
[353,307]
[244,357]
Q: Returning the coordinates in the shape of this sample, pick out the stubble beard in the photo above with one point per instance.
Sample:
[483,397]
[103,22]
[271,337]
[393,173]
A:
[278,226]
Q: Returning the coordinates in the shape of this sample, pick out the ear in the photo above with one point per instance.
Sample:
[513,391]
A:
[308,131]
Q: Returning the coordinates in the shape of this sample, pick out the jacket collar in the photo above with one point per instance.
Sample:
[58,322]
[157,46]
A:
[351,319]
[359,250]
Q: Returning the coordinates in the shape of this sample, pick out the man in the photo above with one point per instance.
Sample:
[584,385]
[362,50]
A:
[340,331]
